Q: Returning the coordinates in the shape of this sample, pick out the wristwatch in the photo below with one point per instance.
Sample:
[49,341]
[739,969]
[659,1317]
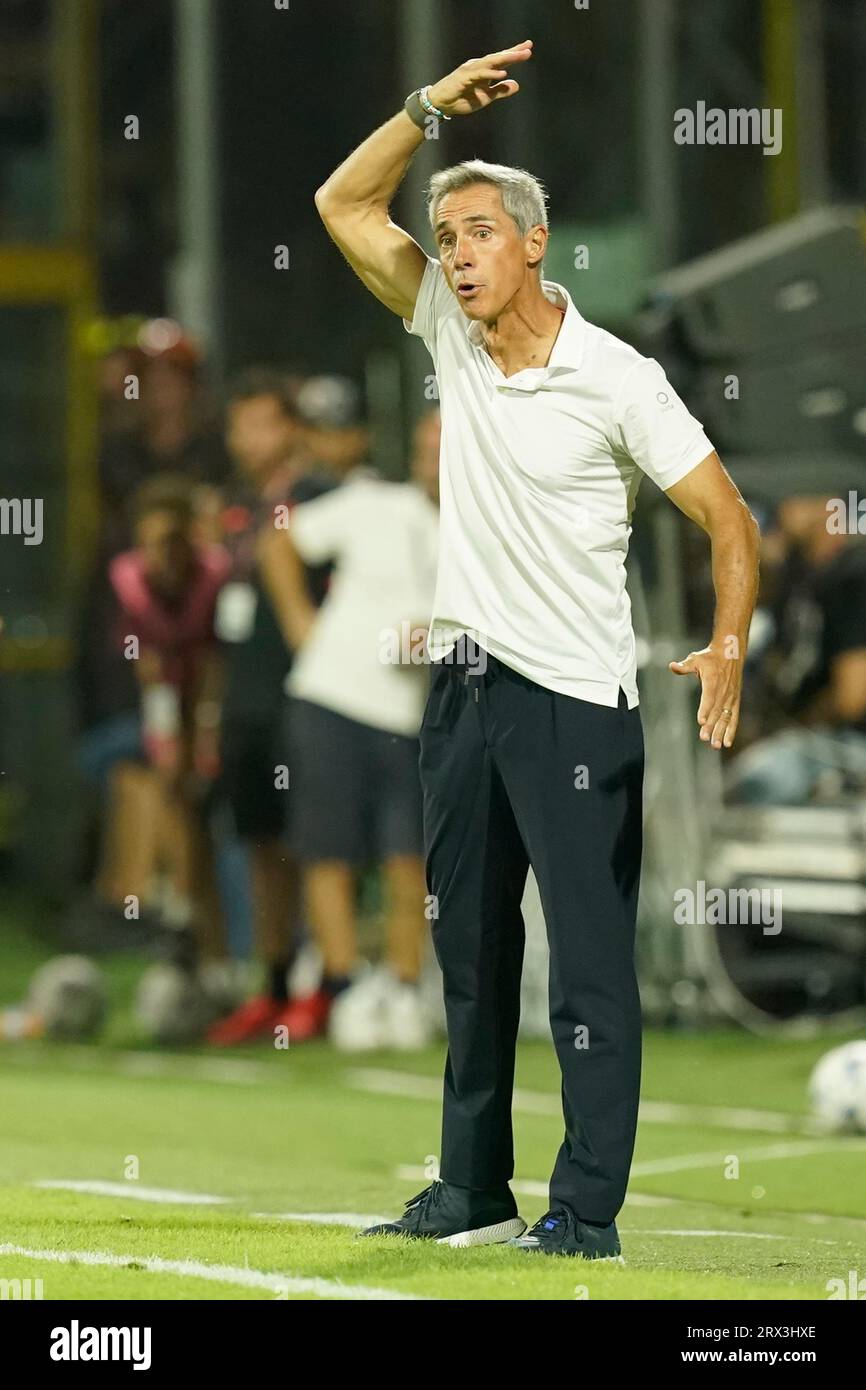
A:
[420,108]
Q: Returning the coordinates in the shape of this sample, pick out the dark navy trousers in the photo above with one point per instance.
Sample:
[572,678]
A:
[515,774]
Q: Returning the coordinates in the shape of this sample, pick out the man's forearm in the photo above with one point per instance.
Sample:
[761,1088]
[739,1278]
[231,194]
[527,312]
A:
[284,578]
[735,557]
[371,175]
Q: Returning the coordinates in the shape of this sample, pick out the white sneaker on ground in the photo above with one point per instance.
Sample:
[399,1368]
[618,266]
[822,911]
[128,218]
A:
[407,1024]
[357,1019]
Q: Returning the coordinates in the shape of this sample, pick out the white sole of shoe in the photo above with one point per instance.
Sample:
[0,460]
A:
[485,1235]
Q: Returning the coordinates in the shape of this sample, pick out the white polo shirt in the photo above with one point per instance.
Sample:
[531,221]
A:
[538,478]
[382,537]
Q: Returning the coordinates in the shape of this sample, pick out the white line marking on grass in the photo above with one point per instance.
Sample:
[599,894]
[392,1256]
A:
[234,1070]
[324,1218]
[382,1081]
[393,1083]
[745,1235]
[202,1199]
[662,1112]
[530,1187]
[821,1218]
[651,1199]
[133,1191]
[682,1163]
[217,1274]
[176,1067]
[678,1164]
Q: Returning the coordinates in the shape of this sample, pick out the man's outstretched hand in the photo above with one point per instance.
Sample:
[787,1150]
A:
[478,82]
[721,681]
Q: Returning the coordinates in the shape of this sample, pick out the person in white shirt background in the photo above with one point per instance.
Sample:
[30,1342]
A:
[357,693]
[531,744]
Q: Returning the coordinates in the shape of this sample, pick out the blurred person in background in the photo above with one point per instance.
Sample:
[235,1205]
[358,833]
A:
[149,665]
[266,440]
[159,428]
[170,430]
[814,669]
[358,688]
[118,414]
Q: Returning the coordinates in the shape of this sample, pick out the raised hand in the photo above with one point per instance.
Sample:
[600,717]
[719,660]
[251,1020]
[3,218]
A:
[479,81]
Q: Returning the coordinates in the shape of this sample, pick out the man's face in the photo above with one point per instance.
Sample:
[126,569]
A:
[337,449]
[801,516]
[167,549]
[483,255]
[166,388]
[260,435]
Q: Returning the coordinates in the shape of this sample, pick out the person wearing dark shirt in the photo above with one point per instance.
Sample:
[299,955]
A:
[816,667]
[170,434]
[264,438]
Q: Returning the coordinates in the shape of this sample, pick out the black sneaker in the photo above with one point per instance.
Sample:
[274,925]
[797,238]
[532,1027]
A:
[458,1216]
[560,1232]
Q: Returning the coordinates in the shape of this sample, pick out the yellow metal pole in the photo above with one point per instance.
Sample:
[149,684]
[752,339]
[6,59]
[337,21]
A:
[46,276]
[74,55]
[75,40]
[780,26]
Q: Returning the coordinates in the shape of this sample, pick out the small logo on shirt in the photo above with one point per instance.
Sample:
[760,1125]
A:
[664,400]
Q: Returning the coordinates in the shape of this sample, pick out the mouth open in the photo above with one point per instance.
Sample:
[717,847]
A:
[467,290]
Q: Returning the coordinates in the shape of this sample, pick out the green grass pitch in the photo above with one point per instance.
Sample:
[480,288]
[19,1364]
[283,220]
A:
[733,1195]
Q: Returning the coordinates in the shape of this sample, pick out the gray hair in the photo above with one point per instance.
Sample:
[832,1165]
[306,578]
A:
[524,197]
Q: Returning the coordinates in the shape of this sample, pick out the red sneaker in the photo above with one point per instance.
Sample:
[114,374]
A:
[254,1019]
[307,1016]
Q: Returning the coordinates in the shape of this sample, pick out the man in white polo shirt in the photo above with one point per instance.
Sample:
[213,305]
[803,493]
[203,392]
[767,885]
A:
[531,745]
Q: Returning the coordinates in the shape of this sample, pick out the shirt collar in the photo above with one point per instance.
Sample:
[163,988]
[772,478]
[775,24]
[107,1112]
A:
[567,351]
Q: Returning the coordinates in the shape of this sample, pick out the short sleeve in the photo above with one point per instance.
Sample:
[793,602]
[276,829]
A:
[320,528]
[655,429]
[434,302]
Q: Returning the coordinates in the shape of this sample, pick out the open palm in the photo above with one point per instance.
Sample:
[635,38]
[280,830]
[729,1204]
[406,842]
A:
[480,81]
